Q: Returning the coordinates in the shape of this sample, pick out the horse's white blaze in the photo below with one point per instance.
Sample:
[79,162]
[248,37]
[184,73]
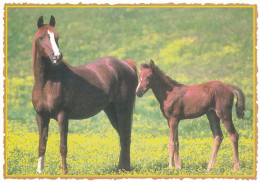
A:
[55,48]
[40,164]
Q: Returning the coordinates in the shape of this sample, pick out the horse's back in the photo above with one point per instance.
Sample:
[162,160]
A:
[119,65]
[119,70]
[106,70]
[95,85]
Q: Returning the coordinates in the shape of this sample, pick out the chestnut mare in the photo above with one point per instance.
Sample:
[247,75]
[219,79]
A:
[64,92]
[177,102]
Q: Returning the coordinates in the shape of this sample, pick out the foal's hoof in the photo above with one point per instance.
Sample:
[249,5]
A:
[236,168]
[176,168]
[209,169]
[64,171]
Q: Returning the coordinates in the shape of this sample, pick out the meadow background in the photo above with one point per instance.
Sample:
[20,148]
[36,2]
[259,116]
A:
[191,45]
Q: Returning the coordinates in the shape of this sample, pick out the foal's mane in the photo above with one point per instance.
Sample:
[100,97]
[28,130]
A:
[165,77]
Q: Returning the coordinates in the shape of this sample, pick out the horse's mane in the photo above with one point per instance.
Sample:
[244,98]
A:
[163,75]
[34,54]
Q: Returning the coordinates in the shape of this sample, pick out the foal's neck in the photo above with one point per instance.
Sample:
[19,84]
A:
[161,86]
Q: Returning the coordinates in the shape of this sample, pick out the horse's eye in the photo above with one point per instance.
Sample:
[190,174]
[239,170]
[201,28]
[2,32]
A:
[57,41]
[41,38]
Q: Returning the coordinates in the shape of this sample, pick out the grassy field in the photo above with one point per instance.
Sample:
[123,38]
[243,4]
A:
[192,45]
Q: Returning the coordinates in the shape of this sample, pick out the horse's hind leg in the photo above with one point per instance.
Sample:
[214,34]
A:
[233,135]
[110,111]
[124,117]
[43,126]
[217,134]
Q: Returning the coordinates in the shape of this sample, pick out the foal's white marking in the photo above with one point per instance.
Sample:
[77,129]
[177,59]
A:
[40,164]
[54,46]
[138,86]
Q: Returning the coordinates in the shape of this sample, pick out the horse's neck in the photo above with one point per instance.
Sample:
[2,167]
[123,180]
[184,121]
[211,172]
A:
[161,87]
[41,71]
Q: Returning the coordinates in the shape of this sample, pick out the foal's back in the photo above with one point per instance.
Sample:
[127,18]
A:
[196,100]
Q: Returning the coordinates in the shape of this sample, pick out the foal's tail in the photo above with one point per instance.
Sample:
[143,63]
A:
[240,105]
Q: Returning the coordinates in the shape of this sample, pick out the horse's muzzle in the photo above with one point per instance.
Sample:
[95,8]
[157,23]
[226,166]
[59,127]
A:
[56,59]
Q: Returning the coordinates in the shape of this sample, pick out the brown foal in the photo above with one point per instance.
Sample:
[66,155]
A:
[178,101]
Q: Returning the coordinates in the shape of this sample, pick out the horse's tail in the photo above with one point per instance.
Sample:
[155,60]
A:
[131,63]
[240,105]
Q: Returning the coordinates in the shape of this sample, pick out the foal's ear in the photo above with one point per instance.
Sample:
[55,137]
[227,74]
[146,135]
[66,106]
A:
[52,21]
[152,64]
[40,22]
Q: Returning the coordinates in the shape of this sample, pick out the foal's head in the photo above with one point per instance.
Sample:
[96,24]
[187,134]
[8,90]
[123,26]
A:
[46,41]
[145,78]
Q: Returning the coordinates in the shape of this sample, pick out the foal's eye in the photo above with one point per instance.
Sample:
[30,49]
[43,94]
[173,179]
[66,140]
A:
[41,38]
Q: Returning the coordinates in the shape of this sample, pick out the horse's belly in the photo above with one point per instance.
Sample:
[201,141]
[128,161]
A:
[86,107]
[79,115]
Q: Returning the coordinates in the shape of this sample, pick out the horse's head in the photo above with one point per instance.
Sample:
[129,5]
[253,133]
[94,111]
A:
[145,78]
[46,41]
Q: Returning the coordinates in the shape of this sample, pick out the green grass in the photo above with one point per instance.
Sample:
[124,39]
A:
[192,45]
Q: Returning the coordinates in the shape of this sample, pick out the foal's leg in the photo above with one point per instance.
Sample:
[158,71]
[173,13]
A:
[233,135]
[124,115]
[43,127]
[174,143]
[217,134]
[63,126]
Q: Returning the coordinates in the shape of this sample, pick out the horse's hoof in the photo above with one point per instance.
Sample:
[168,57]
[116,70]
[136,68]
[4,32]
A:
[123,169]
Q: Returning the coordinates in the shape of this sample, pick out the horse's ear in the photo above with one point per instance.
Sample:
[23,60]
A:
[52,21]
[40,22]
[152,64]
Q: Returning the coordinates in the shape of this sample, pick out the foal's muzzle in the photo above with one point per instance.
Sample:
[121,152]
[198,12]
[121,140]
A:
[139,93]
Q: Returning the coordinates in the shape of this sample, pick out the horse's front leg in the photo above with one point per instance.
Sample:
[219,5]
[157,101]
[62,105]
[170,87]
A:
[63,126]
[174,143]
[43,127]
